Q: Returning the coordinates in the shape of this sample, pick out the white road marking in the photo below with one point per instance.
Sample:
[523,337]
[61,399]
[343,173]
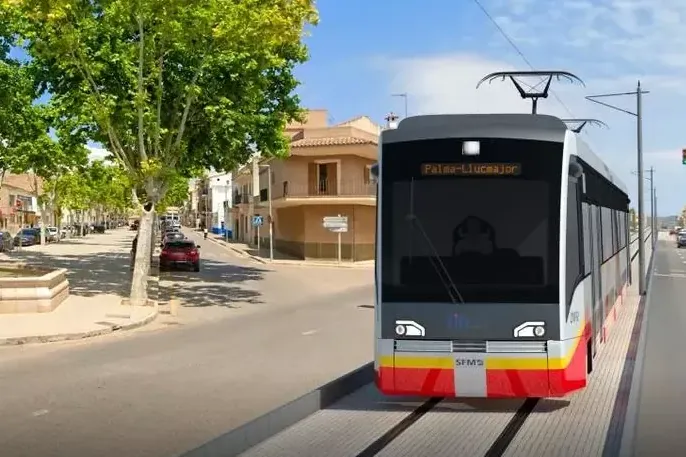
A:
[671,275]
[309,332]
[40,412]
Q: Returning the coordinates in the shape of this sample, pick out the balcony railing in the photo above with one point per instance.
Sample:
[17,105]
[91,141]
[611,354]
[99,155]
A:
[326,188]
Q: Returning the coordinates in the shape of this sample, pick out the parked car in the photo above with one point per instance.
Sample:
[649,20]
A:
[180,253]
[27,237]
[681,239]
[6,241]
[52,234]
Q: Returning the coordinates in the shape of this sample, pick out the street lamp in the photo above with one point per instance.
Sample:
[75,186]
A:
[653,206]
[404,96]
[271,219]
[639,152]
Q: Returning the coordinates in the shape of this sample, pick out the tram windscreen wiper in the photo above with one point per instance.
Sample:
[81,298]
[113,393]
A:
[438,264]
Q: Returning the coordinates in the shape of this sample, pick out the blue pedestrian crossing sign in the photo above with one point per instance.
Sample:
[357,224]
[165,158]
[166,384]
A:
[257,221]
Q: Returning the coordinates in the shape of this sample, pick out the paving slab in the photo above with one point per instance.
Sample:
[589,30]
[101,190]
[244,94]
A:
[99,278]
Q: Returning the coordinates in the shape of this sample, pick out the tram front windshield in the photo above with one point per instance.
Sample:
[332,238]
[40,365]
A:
[487,224]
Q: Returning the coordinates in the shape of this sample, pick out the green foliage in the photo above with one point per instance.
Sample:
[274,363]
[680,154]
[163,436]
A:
[171,86]
[176,194]
[96,186]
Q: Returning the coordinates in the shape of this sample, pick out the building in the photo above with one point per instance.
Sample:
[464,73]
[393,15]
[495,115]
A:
[213,200]
[18,202]
[327,173]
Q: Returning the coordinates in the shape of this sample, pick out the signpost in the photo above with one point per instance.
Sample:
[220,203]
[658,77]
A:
[337,224]
[257,221]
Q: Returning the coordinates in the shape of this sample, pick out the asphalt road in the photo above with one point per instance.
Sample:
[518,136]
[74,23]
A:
[661,421]
[230,285]
[160,393]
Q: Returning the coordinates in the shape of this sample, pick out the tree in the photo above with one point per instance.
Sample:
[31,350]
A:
[169,85]
[633,219]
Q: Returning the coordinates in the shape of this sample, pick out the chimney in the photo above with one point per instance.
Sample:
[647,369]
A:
[391,121]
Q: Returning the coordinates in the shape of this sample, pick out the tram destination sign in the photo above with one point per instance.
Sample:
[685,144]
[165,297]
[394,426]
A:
[471,169]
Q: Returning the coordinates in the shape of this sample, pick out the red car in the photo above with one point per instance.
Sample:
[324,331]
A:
[180,253]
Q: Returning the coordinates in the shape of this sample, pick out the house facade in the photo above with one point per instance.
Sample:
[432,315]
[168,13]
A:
[18,202]
[326,174]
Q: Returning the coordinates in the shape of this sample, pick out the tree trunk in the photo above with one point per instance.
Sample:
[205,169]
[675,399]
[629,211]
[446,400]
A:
[43,221]
[141,267]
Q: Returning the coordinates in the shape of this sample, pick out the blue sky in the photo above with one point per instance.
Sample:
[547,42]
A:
[364,51]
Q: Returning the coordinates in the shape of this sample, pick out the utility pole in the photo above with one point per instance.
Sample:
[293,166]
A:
[653,210]
[638,93]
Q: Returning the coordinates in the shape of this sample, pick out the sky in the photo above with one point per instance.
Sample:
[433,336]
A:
[362,52]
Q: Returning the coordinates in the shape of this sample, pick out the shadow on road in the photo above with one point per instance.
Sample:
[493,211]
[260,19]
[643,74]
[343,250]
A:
[217,284]
[89,275]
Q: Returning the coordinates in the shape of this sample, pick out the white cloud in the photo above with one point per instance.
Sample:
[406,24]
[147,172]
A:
[446,84]
[644,32]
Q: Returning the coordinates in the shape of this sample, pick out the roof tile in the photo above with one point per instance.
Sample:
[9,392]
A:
[331,141]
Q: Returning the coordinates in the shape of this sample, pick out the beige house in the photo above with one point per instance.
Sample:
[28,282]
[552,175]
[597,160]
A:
[18,204]
[326,174]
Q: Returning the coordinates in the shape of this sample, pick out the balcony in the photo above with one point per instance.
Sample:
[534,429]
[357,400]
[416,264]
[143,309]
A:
[346,191]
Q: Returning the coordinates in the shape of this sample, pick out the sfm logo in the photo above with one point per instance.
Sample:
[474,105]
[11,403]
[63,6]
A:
[469,362]
[456,321]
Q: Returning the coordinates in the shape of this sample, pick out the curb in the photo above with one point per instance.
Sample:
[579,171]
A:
[279,262]
[624,447]
[237,251]
[20,340]
[241,439]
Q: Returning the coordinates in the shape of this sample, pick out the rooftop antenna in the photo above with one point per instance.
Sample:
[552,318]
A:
[534,93]
[582,123]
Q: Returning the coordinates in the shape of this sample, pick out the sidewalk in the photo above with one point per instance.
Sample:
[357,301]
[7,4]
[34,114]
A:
[251,252]
[99,277]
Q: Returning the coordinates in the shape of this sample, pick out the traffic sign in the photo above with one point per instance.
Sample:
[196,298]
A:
[257,221]
[337,224]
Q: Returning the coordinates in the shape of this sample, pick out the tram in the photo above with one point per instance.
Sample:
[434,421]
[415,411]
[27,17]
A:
[502,256]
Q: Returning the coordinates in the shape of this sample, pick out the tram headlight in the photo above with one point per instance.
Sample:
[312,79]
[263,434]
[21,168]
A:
[530,329]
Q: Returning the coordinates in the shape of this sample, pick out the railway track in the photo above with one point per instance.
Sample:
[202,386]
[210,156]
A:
[496,449]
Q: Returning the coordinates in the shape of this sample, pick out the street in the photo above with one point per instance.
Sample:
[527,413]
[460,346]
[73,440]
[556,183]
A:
[229,285]
[661,417]
[160,393]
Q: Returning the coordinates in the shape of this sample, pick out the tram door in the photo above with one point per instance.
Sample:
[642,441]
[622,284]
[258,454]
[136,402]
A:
[596,260]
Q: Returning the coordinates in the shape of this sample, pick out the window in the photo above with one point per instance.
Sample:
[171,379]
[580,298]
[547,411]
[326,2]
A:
[367,175]
[574,258]
[323,174]
[497,236]
[586,223]
[606,227]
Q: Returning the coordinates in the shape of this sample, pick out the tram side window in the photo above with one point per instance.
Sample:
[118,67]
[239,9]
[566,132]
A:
[622,230]
[586,236]
[574,254]
[606,223]
[614,231]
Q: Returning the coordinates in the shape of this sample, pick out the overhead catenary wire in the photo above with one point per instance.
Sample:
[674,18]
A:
[517,50]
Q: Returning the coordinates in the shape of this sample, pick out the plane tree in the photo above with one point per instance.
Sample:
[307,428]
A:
[169,85]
